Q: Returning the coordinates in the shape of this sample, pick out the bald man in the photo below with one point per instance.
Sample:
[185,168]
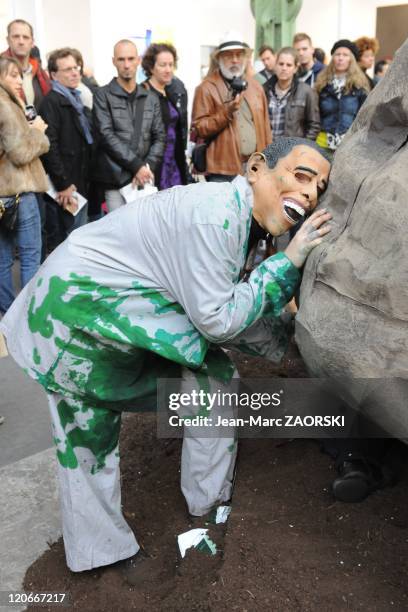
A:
[128,123]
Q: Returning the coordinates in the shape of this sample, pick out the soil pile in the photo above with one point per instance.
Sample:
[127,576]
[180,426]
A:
[287,546]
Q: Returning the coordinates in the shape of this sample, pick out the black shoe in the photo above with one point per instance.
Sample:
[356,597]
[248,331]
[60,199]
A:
[357,479]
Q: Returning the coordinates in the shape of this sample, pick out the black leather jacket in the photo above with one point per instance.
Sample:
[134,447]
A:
[177,94]
[129,131]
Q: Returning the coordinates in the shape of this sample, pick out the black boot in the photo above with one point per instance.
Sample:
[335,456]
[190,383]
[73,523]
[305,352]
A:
[358,477]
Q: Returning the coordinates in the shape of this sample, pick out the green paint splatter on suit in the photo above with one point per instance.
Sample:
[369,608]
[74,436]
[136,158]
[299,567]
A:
[99,434]
[105,354]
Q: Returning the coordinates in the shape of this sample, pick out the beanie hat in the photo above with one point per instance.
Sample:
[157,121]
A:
[344,42]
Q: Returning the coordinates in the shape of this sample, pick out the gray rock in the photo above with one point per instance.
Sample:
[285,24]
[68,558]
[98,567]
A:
[353,319]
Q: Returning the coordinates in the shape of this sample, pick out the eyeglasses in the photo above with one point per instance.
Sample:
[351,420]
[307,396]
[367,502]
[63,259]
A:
[70,69]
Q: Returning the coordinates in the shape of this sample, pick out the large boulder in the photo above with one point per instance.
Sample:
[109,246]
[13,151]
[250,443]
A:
[353,317]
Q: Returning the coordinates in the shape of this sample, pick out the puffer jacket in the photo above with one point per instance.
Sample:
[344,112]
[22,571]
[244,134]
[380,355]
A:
[21,170]
[302,117]
[337,114]
[129,132]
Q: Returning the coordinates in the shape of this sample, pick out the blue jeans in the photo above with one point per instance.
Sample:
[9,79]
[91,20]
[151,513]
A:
[27,237]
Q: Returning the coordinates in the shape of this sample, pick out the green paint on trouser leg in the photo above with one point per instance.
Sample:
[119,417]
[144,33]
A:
[99,433]
[36,357]
[217,366]
[101,375]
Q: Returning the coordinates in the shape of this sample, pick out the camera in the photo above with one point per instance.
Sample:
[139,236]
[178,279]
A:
[238,85]
[30,112]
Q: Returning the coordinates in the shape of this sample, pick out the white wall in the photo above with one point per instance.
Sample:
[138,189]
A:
[67,24]
[329,20]
[5,12]
[186,23]
[56,23]
[93,26]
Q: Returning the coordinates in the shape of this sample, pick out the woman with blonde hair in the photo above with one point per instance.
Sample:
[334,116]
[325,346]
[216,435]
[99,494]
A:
[342,88]
[22,141]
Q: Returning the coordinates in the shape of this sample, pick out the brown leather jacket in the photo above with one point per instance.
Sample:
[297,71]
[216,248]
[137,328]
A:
[211,117]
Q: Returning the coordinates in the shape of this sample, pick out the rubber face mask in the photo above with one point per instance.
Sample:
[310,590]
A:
[288,193]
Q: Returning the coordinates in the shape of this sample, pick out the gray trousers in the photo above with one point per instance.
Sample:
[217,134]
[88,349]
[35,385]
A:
[114,199]
[94,529]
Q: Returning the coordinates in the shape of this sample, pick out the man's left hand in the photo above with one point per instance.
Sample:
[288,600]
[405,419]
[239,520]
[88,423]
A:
[142,176]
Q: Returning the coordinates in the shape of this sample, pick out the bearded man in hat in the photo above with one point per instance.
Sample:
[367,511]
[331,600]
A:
[230,115]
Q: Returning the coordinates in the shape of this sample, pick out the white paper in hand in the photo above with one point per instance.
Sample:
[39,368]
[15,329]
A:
[131,193]
[81,201]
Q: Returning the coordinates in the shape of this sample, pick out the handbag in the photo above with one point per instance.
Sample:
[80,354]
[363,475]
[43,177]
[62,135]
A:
[9,212]
[199,156]
[199,153]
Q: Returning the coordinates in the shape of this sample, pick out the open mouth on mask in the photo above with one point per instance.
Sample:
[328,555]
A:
[293,211]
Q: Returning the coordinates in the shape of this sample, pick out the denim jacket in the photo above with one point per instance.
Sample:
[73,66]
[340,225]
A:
[337,114]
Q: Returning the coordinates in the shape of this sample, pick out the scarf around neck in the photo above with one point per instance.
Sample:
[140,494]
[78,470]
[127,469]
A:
[74,98]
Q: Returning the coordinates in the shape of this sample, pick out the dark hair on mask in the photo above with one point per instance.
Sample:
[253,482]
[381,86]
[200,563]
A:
[281,147]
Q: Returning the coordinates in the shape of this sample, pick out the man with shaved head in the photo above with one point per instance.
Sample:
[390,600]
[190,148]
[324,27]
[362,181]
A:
[131,136]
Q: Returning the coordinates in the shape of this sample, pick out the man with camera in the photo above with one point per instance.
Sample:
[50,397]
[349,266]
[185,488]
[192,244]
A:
[230,111]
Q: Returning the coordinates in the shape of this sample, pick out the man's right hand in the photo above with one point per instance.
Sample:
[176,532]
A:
[234,105]
[39,124]
[143,175]
[66,199]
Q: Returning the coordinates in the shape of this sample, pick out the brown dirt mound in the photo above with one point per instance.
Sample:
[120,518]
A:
[288,546]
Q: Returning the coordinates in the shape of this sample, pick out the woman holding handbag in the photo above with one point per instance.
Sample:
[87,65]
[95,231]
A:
[21,177]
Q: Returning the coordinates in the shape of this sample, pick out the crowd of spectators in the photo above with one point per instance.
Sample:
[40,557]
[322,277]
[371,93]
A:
[68,147]
[92,141]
